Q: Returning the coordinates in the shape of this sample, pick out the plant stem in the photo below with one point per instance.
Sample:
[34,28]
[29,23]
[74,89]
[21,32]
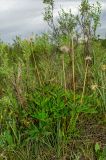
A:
[64,76]
[36,69]
[73,67]
[84,84]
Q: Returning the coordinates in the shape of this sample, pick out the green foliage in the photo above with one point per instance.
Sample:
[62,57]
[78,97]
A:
[101,154]
[103,43]
[67,23]
[51,2]
[34,107]
[97,147]
[89,17]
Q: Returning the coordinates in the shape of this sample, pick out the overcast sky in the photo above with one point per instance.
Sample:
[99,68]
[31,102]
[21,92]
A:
[24,17]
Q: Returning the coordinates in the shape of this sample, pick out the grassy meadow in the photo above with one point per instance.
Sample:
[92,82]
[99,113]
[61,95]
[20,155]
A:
[52,100]
[41,115]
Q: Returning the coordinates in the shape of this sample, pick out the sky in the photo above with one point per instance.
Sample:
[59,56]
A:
[24,17]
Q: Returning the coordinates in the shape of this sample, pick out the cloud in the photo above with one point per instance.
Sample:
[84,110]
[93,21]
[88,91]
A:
[22,17]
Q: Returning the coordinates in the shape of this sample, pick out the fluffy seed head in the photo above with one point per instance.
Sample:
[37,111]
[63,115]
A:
[65,49]
[88,58]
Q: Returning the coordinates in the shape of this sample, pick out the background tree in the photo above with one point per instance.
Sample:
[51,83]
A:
[49,18]
[63,27]
[88,20]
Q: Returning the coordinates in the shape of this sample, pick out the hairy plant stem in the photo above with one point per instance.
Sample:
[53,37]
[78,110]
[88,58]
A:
[84,84]
[73,66]
[36,69]
[64,75]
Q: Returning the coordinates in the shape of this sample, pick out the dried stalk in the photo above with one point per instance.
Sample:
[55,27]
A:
[84,84]
[64,75]
[73,66]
